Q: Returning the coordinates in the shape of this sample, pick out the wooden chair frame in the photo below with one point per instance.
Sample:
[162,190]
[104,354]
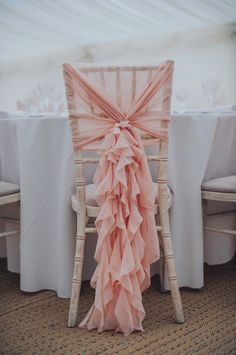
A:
[5,200]
[84,212]
[217,196]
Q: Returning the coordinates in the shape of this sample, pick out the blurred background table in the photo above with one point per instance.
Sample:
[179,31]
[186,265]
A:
[36,152]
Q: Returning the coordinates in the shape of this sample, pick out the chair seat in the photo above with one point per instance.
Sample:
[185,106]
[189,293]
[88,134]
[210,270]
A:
[225,184]
[6,188]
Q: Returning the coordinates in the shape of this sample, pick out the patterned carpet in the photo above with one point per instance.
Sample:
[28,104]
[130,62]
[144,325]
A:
[37,323]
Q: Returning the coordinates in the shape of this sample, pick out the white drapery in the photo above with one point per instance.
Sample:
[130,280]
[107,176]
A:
[38,36]
[31,29]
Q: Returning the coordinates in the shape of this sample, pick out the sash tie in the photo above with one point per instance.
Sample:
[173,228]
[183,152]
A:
[122,124]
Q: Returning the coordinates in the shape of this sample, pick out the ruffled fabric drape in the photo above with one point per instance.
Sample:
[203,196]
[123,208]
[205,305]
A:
[127,237]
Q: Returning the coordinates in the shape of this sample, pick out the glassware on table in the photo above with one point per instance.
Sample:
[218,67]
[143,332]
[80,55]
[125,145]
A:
[181,96]
[211,91]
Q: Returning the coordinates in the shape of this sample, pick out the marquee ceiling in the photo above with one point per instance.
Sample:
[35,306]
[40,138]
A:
[36,28]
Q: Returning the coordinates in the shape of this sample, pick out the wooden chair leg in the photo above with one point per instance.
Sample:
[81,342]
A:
[161,260]
[170,266]
[162,268]
[78,268]
[204,214]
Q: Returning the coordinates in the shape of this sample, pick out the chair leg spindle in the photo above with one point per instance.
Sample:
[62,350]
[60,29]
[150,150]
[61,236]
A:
[162,268]
[169,262]
[77,275]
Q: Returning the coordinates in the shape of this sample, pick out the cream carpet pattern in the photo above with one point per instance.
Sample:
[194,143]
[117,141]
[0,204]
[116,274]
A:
[36,323]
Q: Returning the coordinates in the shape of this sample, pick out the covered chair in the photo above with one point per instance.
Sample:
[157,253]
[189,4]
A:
[9,193]
[117,111]
[220,189]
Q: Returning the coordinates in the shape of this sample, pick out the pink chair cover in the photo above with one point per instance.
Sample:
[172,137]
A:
[112,116]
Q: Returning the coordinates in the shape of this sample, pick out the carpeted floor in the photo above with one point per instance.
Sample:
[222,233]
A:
[37,323]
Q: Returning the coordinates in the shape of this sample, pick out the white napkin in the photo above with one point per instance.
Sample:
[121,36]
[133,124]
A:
[22,114]
[228,108]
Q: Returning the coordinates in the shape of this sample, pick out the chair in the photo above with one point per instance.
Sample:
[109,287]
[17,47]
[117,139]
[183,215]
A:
[221,189]
[83,202]
[9,193]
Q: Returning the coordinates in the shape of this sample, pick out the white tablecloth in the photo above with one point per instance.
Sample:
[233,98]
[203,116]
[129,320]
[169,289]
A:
[37,153]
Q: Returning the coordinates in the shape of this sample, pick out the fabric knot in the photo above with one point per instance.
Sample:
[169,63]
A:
[119,125]
[123,124]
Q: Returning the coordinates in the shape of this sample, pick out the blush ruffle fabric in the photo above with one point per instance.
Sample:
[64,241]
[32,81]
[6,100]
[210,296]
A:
[127,237]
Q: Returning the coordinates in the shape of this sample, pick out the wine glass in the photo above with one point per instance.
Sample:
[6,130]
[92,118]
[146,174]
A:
[211,91]
[181,97]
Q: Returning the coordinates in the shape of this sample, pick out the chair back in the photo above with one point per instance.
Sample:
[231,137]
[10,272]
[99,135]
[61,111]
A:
[100,97]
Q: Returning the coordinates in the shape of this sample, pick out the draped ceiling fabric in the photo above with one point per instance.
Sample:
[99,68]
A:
[32,29]
[36,37]
[113,105]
